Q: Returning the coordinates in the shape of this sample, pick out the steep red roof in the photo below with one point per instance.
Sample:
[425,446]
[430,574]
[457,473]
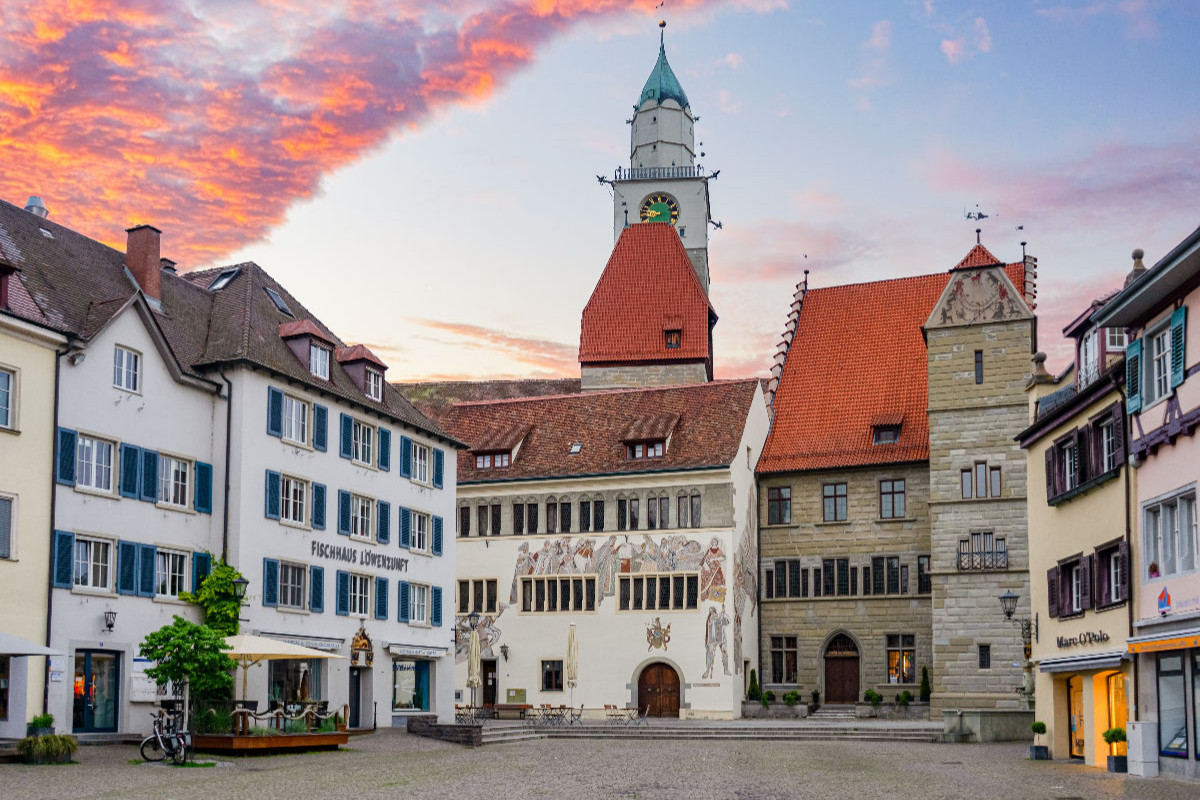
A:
[979,256]
[649,286]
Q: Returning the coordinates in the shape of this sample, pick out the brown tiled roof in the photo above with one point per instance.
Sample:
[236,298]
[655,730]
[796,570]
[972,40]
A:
[650,427]
[302,327]
[500,438]
[711,420]
[358,352]
[649,286]
[434,398]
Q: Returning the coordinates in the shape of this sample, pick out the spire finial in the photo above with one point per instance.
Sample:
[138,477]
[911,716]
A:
[977,232]
[662,25]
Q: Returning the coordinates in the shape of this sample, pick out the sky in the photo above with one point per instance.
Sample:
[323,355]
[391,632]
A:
[422,175]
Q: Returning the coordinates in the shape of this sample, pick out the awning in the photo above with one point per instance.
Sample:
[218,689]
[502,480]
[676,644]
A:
[16,646]
[311,642]
[1090,661]
[417,651]
[1166,640]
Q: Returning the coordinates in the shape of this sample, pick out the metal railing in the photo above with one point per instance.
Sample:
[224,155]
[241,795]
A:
[655,173]
[983,559]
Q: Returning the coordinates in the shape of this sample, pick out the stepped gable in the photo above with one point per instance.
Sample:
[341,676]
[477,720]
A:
[706,425]
[649,286]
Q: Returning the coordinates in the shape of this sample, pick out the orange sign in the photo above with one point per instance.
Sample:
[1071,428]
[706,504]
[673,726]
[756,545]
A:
[1159,645]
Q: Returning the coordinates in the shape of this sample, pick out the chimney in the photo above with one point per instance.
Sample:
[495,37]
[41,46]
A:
[143,260]
[168,266]
[35,206]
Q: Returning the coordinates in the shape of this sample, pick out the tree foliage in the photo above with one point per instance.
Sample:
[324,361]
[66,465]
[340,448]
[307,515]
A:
[185,651]
[217,599]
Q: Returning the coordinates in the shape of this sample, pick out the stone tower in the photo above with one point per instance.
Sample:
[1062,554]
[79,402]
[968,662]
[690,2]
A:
[663,183]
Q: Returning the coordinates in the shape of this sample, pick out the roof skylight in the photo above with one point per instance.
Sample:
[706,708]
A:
[223,280]
[576,448]
[278,301]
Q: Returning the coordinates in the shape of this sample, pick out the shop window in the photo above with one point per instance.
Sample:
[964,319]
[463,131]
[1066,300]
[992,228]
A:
[410,685]
[783,660]
[1172,706]
[295,680]
[901,648]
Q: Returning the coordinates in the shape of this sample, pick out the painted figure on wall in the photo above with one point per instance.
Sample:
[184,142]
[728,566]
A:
[712,573]
[745,581]
[714,639]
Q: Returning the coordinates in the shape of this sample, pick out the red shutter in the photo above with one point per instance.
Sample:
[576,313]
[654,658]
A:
[1052,590]
[1085,580]
[1050,470]
[1123,554]
[1104,578]
[1118,421]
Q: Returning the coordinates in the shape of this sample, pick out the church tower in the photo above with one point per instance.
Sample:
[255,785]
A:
[663,183]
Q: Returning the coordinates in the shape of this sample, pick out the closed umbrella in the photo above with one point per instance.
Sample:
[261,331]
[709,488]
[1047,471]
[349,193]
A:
[474,664]
[572,661]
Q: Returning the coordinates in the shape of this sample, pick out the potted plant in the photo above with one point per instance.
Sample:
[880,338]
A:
[753,692]
[1114,737]
[41,725]
[339,722]
[48,749]
[1039,751]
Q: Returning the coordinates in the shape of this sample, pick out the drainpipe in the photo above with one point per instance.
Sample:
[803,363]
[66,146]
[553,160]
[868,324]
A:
[1129,538]
[53,506]
[228,437]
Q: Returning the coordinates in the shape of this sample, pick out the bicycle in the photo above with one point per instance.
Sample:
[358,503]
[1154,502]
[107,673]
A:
[160,744]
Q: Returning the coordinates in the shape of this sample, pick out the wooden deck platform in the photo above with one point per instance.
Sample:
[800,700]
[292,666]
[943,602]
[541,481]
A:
[231,745]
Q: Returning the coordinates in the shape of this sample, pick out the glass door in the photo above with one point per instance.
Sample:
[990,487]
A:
[1075,712]
[1117,709]
[97,685]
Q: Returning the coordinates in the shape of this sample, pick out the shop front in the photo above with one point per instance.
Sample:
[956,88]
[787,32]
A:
[1092,691]
[1170,691]
[414,672]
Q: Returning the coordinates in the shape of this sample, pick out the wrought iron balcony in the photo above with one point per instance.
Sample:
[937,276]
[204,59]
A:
[656,173]
[982,559]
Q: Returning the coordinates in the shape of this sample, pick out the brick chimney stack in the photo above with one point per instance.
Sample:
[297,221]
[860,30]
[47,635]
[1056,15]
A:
[143,259]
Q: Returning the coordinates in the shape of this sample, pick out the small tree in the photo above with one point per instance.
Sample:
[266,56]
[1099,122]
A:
[218,600]
[754,692]
[1038,729]
[926,688]
[189,654]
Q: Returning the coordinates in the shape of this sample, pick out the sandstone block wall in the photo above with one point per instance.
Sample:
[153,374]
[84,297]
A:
[628,376]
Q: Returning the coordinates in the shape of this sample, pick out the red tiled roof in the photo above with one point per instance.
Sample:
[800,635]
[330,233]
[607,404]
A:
[303,327]
[711,420]
[648,286]
[358,352]
[979,256]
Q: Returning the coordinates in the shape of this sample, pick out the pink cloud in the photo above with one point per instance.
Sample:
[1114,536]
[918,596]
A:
[955,50]
[547,357]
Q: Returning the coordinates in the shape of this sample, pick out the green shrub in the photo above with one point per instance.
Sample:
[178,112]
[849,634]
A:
[42,721]
[1114,735]
[51,749]
[213,720]
[295,726]
[904,698]
[792,697]
[926,688]
[327,726]
[765,702]
[259,730]
[873,697]
[753,692]
[1038,729]
[768,696]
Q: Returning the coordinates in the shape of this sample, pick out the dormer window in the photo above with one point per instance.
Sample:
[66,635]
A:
[318,361]
[673,338]
[1116,339]
[374,384]
[493,460]
[885,434]
[642,450]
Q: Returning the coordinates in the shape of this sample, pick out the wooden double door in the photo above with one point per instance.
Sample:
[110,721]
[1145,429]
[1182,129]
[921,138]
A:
[658,688]
[841,670]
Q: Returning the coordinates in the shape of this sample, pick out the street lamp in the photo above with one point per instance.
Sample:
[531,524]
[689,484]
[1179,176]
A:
[239,589]
[1029,632]
[110,620]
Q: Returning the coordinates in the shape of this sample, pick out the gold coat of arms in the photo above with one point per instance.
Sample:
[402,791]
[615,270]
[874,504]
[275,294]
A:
[657,635]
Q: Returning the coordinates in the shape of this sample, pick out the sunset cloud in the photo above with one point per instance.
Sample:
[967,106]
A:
[209,119]
[545,356]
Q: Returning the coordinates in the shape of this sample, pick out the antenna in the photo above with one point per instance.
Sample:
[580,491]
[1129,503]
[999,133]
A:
[977,232]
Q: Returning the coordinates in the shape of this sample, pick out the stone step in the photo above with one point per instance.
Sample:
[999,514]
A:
[926,732]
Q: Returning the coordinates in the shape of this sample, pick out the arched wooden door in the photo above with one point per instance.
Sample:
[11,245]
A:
[658,688]
[841,670]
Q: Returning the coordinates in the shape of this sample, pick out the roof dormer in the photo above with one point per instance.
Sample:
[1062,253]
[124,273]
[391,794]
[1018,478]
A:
[312,346]
[364,368]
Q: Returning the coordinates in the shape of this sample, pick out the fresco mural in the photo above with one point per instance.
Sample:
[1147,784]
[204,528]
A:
[657,635]
[714,639]
[976,296]
[745,579]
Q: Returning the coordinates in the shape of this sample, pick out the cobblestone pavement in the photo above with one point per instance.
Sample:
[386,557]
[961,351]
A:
[392,764]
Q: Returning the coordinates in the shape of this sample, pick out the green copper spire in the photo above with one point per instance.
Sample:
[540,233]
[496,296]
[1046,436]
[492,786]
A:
[662,83]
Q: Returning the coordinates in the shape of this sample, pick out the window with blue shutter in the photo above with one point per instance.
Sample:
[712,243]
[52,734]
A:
[342,605]
[127,568]
[147,560]
[316,590]
[318,507]
[436,612]
[1178,344]
[320,427]
[1133,376]
[131,470]
[405,528]
[343,512]
[203,498]
[439,467]
[271,505]
[347,449]
[381,598]
[5,527]
[150,476]
[201,566]
[64,559]
[270,593]
[402,589]
[65,462]
[385,449]
[437,536]
[405,457]
[274,412]
[384,513]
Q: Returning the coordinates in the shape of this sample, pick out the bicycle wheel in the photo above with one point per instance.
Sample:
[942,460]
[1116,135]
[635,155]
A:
[152,749]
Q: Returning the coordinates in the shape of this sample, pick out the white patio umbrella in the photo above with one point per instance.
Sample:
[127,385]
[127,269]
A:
[572,661]
[249,650]
[474,664]
[16,646]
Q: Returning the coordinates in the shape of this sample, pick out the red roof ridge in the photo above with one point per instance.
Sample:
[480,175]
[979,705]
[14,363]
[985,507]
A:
[595,392]
[978,256]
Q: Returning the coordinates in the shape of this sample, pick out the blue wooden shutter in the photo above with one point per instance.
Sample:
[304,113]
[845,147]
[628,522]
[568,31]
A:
[405,528]
[1133,376]
[405,457]
[439,466]
[65,472]
[381,598]
[436,612]
[402,589]
[343,512]
[201,566]
[316,590]
[5,527]
[147,558]
[270,594]
[318,507]
[150,476]
[437,536]
[320,427]
[127,571]
[342,604]
[203,498]
[384,515]
[385,449]
[131,470]
[64,559]
[347,433]
[272,499]
[274,411]
[1178,344]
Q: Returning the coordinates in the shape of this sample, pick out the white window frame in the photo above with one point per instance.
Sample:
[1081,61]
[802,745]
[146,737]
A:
[362,514]
[1089,357]
[84,554]
[1115,340]
[1169,534]
[1070,465]
[293,500]
[8,400]
[362,441]
[418,605]
[318,361]
[421,531]
[170,572]
[1108,446]
[1076,597]
[288,587]
[1116,589]
[374,384]
[294,427]
[1157,383]
[126,377]
[360,594]
[89,468]
[169,483]
[420,463]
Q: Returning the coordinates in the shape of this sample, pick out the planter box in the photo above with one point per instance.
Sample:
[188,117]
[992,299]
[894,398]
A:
[32,731]
[1039,752]
[913,710]
[1118,763]
[753,709]
[230,744]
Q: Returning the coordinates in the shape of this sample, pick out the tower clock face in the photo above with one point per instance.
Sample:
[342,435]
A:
[660,207]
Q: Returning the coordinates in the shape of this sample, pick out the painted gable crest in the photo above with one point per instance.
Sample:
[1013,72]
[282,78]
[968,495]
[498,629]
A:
[976,296]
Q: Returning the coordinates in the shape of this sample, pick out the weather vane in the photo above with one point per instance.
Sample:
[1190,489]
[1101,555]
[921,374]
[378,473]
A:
[976,215]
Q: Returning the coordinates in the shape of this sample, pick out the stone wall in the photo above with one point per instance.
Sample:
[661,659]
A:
[628,376]
[427,725]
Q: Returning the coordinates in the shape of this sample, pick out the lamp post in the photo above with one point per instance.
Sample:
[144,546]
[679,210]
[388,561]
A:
[1029,631]
[472,624]
[239,593]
